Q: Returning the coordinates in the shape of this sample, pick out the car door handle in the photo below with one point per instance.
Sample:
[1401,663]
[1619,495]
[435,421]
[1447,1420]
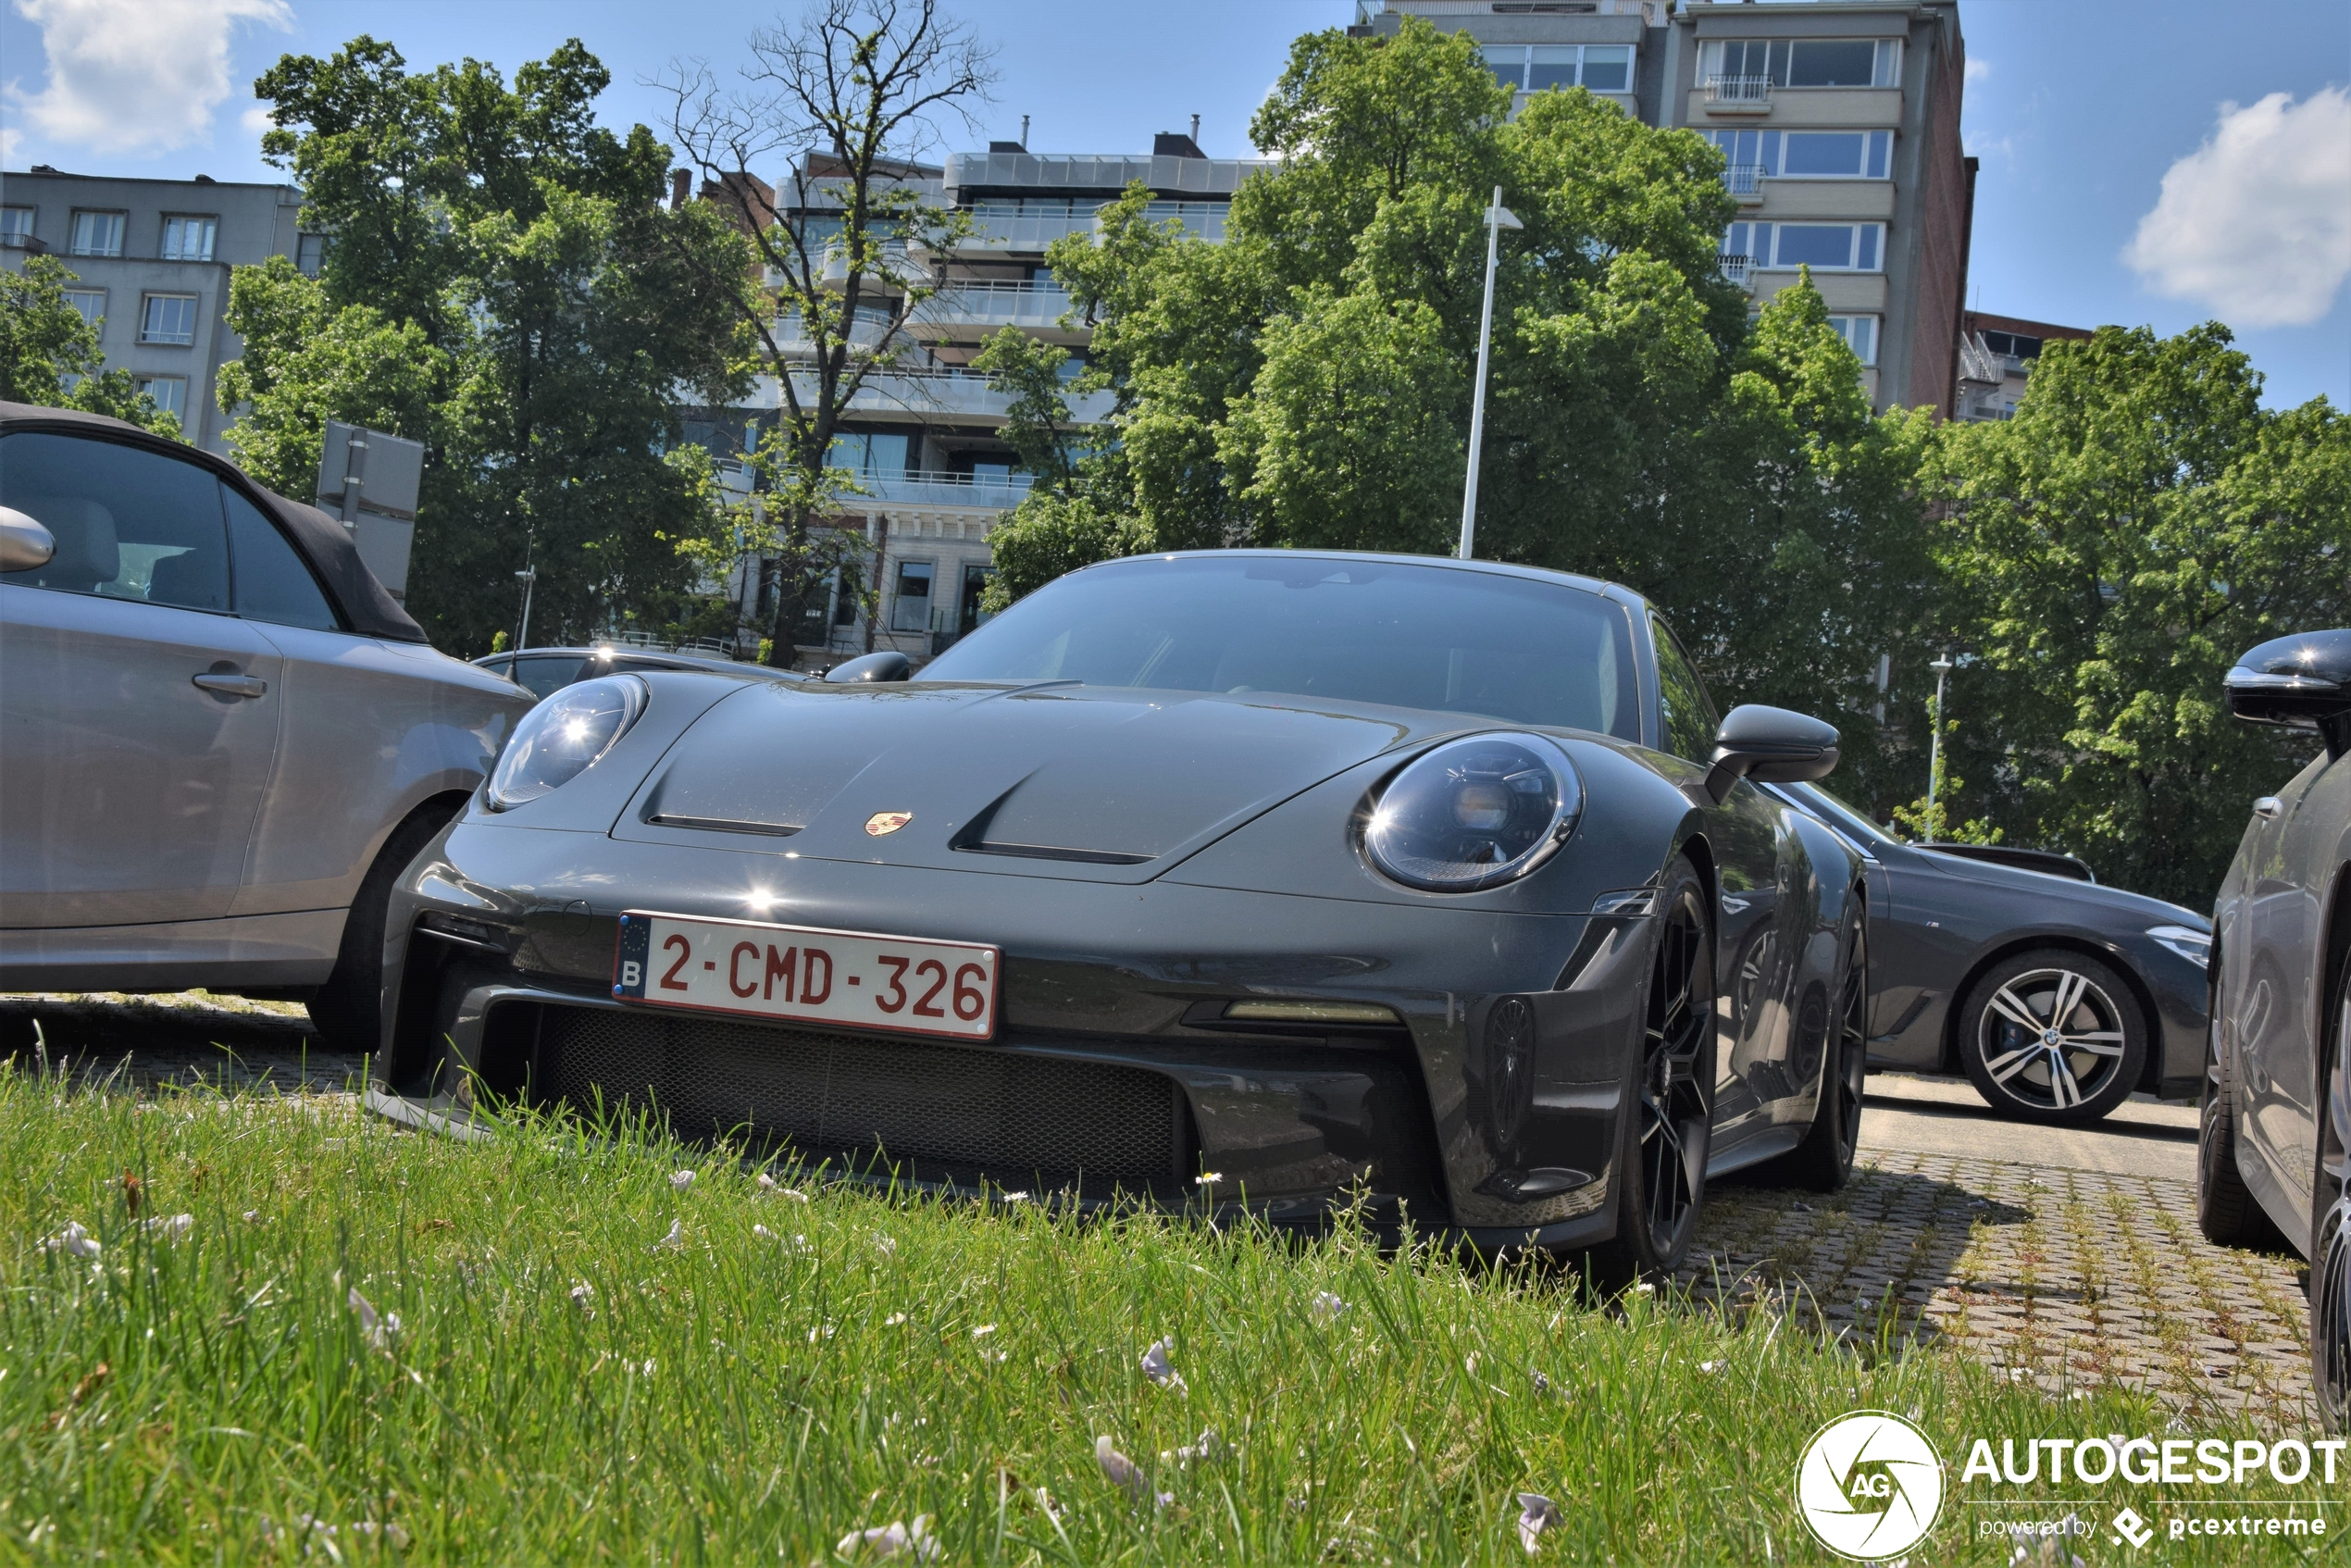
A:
[2269,808]
[232,685]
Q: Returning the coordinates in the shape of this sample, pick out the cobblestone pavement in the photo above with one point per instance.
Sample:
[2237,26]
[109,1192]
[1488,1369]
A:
[2064,1278]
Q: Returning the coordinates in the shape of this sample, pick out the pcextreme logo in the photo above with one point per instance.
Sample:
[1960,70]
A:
[1870,1485]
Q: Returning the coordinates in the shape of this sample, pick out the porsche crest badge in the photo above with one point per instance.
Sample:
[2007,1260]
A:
[888,822]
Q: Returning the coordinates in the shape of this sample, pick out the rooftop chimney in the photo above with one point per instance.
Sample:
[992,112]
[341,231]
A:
[681,185]
[1195,131]
[1024,131]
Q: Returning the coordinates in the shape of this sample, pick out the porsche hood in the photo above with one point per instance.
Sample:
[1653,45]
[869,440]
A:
[1064,781]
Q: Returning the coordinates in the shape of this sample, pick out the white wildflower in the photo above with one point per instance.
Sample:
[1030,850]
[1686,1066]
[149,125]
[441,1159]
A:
[893,1320]
[766,1182]
[884,1244]
[377,1331]
[582,1294]
[1019,1197]
[1122,1471]
[677,1236]
[1645,1289]
[1156,1367]
[1205,1449]
[251,1217]
[1469,1364]
[1712,1367]
[73,1241]
[983,1331]
[762,1231]
[1536,1514]
[893,1539]
[1326,1308]
[794,1193]
[681,1180]
[1208,1178]
[171,1229]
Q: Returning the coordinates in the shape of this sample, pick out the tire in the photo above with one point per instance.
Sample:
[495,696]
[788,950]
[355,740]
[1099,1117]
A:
[1665,1125]
[1823,1161]
[2053,1036]
[2330,1234]
[2226,1211]
[348,1009]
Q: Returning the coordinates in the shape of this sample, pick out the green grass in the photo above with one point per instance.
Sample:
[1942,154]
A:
[740,1399]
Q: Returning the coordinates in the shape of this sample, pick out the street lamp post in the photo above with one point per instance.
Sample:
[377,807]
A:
[1498,218]
[528,578]
[1942,669]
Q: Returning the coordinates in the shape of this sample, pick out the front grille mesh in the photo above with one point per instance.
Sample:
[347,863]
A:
[939,1112]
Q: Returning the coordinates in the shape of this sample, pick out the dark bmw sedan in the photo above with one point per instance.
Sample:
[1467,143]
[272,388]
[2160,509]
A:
[1278,878]
[2059,998]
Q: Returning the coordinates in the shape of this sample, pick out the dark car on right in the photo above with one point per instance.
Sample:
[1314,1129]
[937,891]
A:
[2057,997]
[2271,1145]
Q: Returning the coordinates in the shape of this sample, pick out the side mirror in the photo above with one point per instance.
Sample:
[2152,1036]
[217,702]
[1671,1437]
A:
[1771,746]
[2301,682]
[872,667]
[24,544]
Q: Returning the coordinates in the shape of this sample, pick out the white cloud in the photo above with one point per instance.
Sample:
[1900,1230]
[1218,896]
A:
[1978,67]
[9,137]
[135,75]
[256,119]
[2257,223]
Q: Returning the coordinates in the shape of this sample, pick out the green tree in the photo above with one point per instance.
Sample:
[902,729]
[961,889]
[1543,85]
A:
[2140,522]
[49,355]
[505,283]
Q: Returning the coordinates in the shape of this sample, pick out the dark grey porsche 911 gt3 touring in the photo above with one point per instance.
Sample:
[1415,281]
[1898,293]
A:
[1260,878]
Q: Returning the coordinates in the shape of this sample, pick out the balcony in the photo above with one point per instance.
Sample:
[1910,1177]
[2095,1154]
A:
[1738,94]
[1734,268]
[1744,180]
[954,493]
[1009,228]
[1036,306]
[928,396]
[1109,176]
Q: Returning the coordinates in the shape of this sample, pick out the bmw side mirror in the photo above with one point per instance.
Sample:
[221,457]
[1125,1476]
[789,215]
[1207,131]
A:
[872,667]
[24,544]
[1770,746]
[2300,683]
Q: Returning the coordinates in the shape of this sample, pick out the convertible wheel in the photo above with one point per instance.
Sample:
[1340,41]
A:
[2052,1037]
[1661,1145]
[2330,1234]
[2226,1209]
[1824,1160]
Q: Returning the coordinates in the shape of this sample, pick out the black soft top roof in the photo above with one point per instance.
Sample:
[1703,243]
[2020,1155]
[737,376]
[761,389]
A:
[366,607]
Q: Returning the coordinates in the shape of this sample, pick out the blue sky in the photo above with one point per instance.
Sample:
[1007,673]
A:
[2080,109]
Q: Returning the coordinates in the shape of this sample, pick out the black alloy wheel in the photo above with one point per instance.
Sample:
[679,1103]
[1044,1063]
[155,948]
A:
[2226,1211]
[2330,1231]
[2053,1035]
[1663,1144]
[1823,1161]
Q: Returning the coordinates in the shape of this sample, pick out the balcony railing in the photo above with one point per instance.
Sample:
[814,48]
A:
[1013,229]
[995,304]
[956,491]
[1744,179]
[930,394]
[1738,90]
[1734,268]
[1209,177]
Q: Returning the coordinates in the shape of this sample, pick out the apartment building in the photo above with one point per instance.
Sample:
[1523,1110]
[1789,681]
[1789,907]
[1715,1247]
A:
[151,260]
[1839,126]
[1997,356]
[923,435]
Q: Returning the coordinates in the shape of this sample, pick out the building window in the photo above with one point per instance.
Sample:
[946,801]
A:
[167,318]
[170,393]
[2013,345]
[189,239]
[1601,67]
[310,254]
[97,233]
[1806,62]
[1860,333]
[90,303]
[1749,156]
[1824,247]
[910,611]
[875,455]
[15,227]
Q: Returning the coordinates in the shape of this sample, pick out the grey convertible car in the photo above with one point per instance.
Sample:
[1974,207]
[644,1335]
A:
[2271,1146]
[219,738]
[2059,998]
[1278,876]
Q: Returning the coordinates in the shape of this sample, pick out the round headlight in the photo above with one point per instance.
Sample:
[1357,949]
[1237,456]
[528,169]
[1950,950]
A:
[1475,812]
[557,740]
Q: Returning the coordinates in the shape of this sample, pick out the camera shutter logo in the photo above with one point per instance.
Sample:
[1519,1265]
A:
[1870,1485]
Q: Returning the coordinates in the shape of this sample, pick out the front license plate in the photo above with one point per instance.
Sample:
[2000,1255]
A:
[906,984]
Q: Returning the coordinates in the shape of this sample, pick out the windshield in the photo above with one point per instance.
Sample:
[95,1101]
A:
[1842,815]
[1453,640]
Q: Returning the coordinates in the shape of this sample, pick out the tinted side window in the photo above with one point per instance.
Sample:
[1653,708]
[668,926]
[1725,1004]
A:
[128,523]
[1690,723]
[273,583]
[547,675]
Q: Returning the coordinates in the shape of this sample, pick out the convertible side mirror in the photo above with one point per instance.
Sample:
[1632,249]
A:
[1771,746]
[872,666]
[24,543]
[2301,682]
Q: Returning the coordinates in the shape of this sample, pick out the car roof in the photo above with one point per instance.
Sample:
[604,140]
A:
[1601,586]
